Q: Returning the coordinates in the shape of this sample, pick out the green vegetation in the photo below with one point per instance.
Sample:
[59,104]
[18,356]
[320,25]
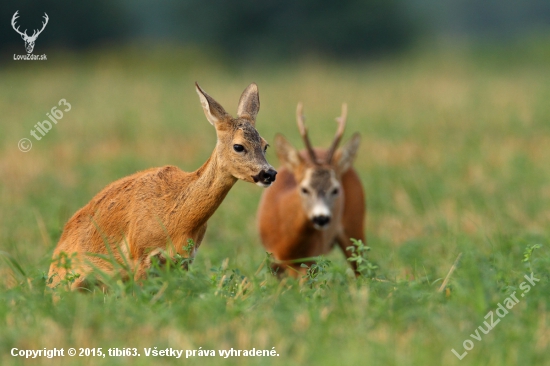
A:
[454,159]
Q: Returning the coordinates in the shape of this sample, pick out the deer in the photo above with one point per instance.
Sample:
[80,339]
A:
[155,212]
[317,202]
[29,40]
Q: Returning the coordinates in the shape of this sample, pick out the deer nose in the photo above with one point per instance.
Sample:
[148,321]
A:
[321,220]
[265,177]
[269,176]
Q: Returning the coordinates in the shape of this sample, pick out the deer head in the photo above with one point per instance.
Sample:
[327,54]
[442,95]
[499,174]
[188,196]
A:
[318,173]
[240,149]
[29,40]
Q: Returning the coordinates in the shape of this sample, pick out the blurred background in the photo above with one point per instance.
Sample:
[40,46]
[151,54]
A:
[275,30]
[451,99]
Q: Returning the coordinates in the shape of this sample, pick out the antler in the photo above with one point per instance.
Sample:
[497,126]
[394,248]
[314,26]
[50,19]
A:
[13,19]
[303,132]
[341,125]
[35,35]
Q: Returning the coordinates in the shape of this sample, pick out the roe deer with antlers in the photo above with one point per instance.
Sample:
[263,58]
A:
[317,201]
[156,211]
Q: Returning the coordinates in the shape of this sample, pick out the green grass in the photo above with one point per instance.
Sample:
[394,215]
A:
[454,159]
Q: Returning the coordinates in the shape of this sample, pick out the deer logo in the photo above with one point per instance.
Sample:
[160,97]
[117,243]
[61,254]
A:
[29,40]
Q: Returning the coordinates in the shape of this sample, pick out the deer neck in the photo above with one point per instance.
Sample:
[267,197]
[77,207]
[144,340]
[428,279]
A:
[204,194]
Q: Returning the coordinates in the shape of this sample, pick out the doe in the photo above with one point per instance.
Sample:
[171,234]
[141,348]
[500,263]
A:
[156,211]
[317,201]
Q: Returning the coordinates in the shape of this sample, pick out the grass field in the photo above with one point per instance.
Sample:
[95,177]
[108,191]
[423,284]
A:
[454,159]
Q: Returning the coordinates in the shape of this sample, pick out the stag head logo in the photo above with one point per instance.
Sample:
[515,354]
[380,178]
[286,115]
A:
[29,40]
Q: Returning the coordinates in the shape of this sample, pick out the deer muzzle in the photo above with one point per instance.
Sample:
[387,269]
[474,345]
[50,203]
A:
[265,177]
[321,222]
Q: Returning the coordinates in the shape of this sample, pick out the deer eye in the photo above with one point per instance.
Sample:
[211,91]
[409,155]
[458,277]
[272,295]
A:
[265,148]
[238,148]
[304,190]
[335,191]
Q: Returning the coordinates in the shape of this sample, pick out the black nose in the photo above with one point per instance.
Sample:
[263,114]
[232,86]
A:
[266,177]
[270,175]
[321,220]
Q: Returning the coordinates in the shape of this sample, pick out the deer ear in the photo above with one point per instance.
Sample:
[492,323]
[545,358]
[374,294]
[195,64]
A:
[287,154]
[249,104]
[213,111]
[345,155]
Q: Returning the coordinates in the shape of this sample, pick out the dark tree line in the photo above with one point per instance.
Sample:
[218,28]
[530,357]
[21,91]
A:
[278,27]
[270,27]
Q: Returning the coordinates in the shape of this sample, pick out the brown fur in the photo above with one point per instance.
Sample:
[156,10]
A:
[285,229]
[159,209]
